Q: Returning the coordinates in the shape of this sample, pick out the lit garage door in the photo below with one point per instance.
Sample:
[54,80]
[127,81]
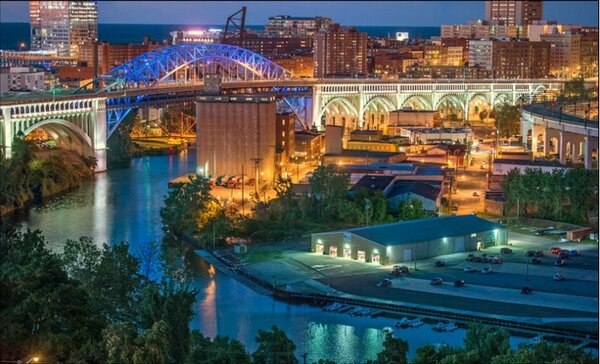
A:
[459,244]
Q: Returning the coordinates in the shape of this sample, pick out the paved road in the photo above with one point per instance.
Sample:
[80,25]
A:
[542,299]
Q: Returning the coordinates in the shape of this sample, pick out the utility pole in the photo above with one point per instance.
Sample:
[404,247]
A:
[256,163]
[243,183]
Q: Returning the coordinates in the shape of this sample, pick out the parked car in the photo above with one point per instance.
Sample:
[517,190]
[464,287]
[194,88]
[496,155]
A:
[506,251]
[475,194]
[535,261]
[563,255]
[486,270]
[526,290]
[385,283]
[555,250]
[539,253]
[222,180]
[439,263]
[470,269]
[573,253]
[399,269]
[459,283]
[495,260]
[436,281]
[473,258]
[558,277]
[530,253]
[559,262]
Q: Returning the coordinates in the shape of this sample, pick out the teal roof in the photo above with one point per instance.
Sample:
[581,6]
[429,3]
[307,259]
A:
[425,229]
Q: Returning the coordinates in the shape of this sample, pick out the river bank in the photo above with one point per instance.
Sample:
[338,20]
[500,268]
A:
[49,174]
[291,279]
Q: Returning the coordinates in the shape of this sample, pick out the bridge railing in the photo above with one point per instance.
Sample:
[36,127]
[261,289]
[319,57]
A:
[554,111]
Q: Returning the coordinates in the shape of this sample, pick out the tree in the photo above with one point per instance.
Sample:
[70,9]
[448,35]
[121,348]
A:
[411,210]
[125,345]
[482,115]
[574,89]
[184,206]
[561,353]
[394,350]
[42,308]
[283,187]
[274,347]
[486,342]
[508,119]
[222,350]
[513,189]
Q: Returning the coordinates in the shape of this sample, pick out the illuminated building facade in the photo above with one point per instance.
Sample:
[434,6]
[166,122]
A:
[63,26]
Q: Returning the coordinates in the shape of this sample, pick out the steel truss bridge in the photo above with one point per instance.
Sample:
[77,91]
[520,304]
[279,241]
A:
[175,74]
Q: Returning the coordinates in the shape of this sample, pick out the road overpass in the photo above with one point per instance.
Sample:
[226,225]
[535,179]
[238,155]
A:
[551,131]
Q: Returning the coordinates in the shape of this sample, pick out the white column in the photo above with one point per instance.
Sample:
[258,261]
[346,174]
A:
[361,107]
[562,148]
[7,132]
[316,106]
[99,137]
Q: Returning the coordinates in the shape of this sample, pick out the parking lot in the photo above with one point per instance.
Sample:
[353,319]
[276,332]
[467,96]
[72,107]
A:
[575,296]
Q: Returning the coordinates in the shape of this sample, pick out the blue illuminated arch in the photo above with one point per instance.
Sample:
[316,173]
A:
[155,66]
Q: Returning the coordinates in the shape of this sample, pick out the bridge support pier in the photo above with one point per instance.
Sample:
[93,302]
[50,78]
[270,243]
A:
[590,143]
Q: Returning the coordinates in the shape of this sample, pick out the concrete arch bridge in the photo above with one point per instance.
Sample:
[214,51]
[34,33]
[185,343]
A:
[367,104]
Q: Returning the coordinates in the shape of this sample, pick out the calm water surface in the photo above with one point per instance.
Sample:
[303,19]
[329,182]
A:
[124,205]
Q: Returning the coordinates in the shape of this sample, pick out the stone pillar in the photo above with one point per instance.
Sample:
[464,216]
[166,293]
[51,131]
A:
[361,107]
[308,112]
[562,148]
[316,107]
[7,135]
[99,139]
[590,143]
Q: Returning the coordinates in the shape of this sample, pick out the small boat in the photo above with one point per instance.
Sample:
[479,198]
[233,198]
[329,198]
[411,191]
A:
[440,326]
[404,323]
[416,322]
[450,327]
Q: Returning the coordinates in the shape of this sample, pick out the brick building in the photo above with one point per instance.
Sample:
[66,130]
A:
[340,52]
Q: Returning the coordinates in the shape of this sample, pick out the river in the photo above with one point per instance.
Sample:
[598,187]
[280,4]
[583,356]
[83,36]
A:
[124,205]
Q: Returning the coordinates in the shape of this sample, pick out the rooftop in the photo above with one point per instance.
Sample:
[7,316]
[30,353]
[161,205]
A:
[372,182]
[422,189]
[432,228]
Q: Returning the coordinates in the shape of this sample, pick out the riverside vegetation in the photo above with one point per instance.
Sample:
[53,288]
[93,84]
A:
[103,305]
[31,175]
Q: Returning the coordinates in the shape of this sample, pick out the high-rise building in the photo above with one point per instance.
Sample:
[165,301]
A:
[513,12]
[340,52]
[288,26]
[520,60]
[63,26]
[480,54]
[565,53]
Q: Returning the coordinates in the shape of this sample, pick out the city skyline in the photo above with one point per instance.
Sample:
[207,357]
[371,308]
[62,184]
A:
[408,13]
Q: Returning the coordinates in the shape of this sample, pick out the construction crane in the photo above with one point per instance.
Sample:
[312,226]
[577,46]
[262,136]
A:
[235,25]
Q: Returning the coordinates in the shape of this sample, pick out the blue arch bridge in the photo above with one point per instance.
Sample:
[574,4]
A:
[85,119]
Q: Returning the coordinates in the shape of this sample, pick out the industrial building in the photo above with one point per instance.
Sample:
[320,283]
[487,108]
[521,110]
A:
[410,240]
[236,134]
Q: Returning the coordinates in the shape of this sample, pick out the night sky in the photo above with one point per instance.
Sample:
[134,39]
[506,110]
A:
[398,13]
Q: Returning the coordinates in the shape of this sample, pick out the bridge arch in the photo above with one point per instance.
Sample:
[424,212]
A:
[159,65]
[65,133]
[421,101]
[336,106]
[477,104]
[501,99]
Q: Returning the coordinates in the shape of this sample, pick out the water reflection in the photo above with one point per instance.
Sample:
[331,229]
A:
[125,204]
